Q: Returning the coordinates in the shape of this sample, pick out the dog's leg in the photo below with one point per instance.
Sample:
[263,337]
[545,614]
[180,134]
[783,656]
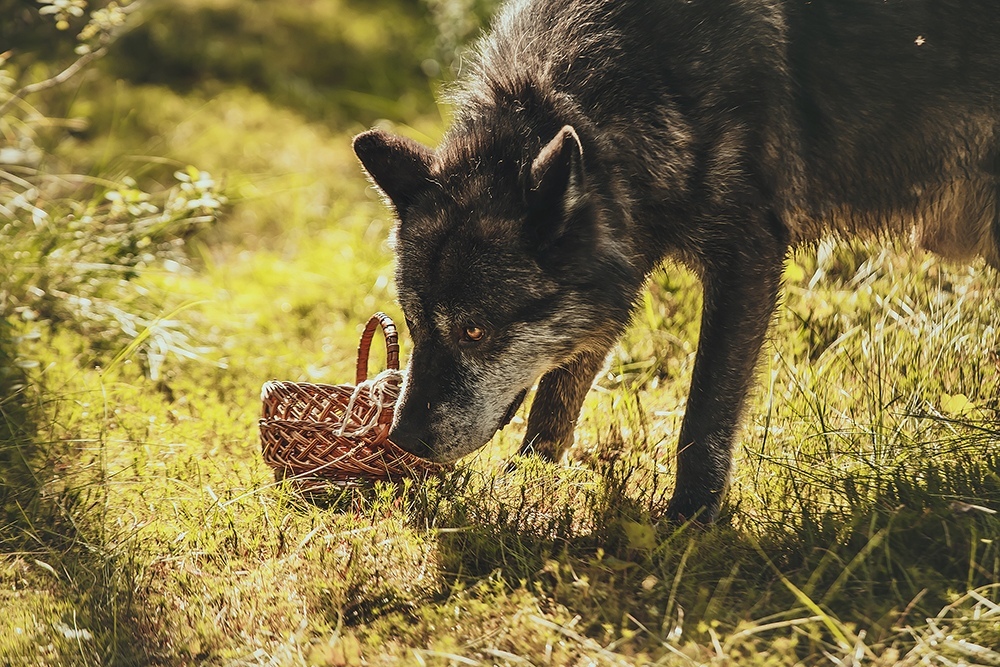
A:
[741,287]
[557,405]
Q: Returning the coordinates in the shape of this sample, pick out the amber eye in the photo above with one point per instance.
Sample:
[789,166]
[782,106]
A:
[473,334]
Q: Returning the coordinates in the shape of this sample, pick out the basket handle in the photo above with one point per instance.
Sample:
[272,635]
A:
[391,345]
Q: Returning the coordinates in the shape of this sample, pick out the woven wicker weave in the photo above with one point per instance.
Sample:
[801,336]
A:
[304,435]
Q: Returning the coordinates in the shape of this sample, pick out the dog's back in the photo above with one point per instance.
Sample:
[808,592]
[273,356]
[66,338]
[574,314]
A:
[899,118]
[855,115]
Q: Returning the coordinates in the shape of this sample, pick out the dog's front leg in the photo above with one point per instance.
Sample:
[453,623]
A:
[740,287]
[557,405]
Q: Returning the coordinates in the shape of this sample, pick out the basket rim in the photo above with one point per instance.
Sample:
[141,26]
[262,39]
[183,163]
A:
[391,336]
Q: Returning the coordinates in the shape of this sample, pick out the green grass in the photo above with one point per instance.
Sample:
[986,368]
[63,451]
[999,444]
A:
[139,524]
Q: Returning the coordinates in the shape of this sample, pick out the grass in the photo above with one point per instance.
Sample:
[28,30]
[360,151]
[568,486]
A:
[139,525]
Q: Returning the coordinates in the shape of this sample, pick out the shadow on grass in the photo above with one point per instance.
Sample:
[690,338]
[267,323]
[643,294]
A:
[877,554]
[876,550]
[68,575]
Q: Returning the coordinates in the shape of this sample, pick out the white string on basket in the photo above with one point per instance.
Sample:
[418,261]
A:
[383,390]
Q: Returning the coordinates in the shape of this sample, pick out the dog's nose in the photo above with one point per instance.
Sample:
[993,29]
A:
[411,438]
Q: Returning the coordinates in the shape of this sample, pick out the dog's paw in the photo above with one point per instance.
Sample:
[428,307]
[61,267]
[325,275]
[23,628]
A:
[550,452]
[698,511]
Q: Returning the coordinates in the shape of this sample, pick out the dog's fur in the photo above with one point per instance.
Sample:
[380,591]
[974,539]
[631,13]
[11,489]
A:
[593,138]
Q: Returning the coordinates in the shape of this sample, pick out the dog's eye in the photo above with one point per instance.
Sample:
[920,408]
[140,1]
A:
[473,334]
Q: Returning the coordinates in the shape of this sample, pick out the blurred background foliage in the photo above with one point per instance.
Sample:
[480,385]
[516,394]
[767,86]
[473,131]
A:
[263,93]
[339,61]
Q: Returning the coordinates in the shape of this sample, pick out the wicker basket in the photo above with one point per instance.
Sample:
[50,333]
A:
[319,433]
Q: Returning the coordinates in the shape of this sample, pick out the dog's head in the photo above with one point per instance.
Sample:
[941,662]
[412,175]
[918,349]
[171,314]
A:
[505,269]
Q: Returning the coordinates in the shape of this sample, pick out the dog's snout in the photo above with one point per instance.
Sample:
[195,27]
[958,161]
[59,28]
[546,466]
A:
[411,438]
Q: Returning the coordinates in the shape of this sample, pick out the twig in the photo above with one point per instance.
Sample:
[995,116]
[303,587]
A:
[60,78]
[74,69]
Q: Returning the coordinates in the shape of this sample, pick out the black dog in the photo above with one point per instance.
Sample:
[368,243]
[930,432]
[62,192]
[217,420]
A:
[593,138]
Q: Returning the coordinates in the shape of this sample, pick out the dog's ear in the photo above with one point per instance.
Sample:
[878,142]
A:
[400,167]
[557,185]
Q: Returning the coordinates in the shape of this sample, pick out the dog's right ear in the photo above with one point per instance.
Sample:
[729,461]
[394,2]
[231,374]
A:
[557,188]
[400,167]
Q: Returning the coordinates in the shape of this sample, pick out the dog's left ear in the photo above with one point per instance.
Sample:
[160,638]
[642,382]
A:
[400,167]
[557,187]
